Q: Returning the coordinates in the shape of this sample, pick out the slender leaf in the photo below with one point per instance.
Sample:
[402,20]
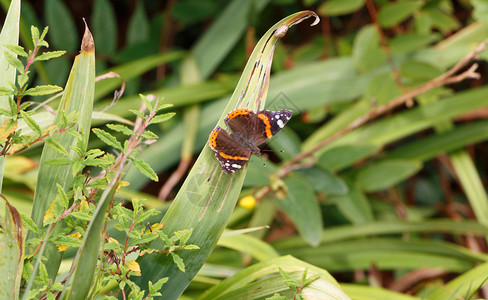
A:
[11,253]
[208,197]
[78,98]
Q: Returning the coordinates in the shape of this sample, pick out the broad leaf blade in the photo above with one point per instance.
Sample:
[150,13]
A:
[77,97]
[11,253]
[208,196]
[8,36]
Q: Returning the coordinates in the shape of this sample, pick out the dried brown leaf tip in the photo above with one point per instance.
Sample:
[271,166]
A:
[87,44]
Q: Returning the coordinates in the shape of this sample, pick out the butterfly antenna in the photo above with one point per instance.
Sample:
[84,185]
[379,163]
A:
[271,150]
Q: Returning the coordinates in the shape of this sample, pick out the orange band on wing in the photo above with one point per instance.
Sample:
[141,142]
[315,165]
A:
[213,137]
[233,157]
[267,124]
[238,112]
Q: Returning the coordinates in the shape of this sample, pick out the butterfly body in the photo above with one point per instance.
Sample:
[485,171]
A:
[249,130]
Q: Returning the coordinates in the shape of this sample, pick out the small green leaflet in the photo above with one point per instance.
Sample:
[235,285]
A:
[145,169]
[107,138]
[56,146]
[162,118]
[50,54]
[30,122]
[42,90]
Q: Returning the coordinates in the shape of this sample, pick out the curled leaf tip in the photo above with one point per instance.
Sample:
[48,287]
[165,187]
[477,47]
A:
[297,18]
[87,44]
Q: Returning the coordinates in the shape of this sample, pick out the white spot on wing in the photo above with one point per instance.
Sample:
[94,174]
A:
[277,116]
[280,124]
[236,166]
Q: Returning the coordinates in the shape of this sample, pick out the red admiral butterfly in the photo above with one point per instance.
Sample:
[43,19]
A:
[250,130]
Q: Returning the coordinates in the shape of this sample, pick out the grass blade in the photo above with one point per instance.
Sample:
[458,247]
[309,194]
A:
[8,36]
[288,264]
[11,253]
[77,97]
[208,196]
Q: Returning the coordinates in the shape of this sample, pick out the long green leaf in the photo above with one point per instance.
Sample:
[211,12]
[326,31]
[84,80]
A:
[208,196]
[462,286]
[85,262]
[8,36]
[342,233]
[288,264]
[77,97]
[11,253]
[388,254]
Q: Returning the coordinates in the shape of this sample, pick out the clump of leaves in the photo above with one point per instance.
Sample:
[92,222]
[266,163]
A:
[78,207]
[295,285]
[12,140]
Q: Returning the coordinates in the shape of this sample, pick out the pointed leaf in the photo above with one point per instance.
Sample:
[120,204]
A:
[11,253]
[30,122]
[145,169]
[107,138]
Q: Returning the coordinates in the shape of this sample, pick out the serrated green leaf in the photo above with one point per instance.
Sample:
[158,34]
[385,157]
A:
[145,238]
[43,34]
[35,35]
[12,104]
[42,90]
[284,275]
[49,55]
[107,138]
[178,261]
[121,128]
[163,106]
[145,169]
[184,235]
[147,102]
[149,135]
[16,50]
[158,285]
[304,275]
[30,122]
[62,196]
[22,79]
[14,61]
[137,113]
[146,214]
[292,284]
[82,215]
[310,279]
[56,146]
[162,118]
[67,241]
[29,224]
[4,91]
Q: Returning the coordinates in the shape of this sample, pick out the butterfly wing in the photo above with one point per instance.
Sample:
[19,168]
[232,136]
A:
[228,152]
[242,122]
[268,123]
